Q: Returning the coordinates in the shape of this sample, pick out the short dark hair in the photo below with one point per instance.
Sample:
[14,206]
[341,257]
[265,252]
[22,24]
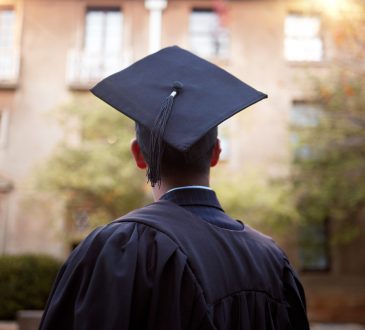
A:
[196,160]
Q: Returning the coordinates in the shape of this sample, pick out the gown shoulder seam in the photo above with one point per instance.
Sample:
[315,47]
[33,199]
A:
[279,301]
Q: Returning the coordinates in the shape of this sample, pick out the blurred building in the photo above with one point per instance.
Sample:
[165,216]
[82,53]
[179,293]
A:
[51,50]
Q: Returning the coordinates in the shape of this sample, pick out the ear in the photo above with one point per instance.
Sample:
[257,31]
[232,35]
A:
[216,153]
[137,154]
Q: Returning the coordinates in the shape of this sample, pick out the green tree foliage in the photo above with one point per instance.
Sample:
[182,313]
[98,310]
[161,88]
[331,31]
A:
[329,183]
[264,204]
[92,169]
[93,172]
[25,282]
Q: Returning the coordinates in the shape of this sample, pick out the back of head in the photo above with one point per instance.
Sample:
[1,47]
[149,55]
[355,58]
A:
[195,161]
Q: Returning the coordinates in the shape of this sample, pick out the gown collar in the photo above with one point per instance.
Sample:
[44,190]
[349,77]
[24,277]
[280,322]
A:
[193,196]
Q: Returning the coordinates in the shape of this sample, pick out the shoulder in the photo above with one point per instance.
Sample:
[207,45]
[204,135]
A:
[264,242]
[134,225]
[128,238]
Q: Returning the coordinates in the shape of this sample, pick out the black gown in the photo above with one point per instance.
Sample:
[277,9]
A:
[163,267]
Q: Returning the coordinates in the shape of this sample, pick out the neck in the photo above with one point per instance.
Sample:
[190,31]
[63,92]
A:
[170,183]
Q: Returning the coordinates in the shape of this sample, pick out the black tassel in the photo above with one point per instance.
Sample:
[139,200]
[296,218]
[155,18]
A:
[156,147]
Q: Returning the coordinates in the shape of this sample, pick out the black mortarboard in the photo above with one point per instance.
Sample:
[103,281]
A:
[178,96]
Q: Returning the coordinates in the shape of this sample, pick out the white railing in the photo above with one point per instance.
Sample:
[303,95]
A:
[86,68]
[9,66]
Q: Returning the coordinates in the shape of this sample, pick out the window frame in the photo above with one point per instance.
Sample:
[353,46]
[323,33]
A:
[10,80]
[222,39]
[296,127]
[325,249]
[287,38]
[104,10]
[4,8]
[86,66]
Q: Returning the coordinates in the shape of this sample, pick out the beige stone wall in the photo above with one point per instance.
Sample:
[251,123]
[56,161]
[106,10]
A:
[49,31]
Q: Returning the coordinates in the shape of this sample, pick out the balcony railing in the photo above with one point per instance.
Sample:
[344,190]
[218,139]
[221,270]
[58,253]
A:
[86,68]
[9,67]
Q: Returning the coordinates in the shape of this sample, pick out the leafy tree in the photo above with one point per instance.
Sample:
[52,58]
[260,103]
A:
[92,169]
[93,172]
[329,183]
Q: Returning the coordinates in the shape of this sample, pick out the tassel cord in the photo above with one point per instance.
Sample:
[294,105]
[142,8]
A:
[156,147]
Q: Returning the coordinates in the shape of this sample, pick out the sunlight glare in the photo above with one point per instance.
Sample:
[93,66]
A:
[336,8]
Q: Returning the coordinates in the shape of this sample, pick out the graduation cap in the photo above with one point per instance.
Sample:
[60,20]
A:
[178,96]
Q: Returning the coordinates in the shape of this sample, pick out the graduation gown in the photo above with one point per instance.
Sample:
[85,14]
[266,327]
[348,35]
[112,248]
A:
[163,267]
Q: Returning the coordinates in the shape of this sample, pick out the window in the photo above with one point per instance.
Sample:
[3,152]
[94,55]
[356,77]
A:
[101,51]
[8,63]
[103,34]
[78,224]
[314,247]
[208,38]
[303,116]
[7,20]
[81,220]
[302,38]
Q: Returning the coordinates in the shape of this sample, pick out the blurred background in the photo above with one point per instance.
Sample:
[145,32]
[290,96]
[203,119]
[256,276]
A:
[292,166]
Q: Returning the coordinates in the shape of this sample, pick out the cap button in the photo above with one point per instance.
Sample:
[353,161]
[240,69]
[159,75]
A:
[178,85]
